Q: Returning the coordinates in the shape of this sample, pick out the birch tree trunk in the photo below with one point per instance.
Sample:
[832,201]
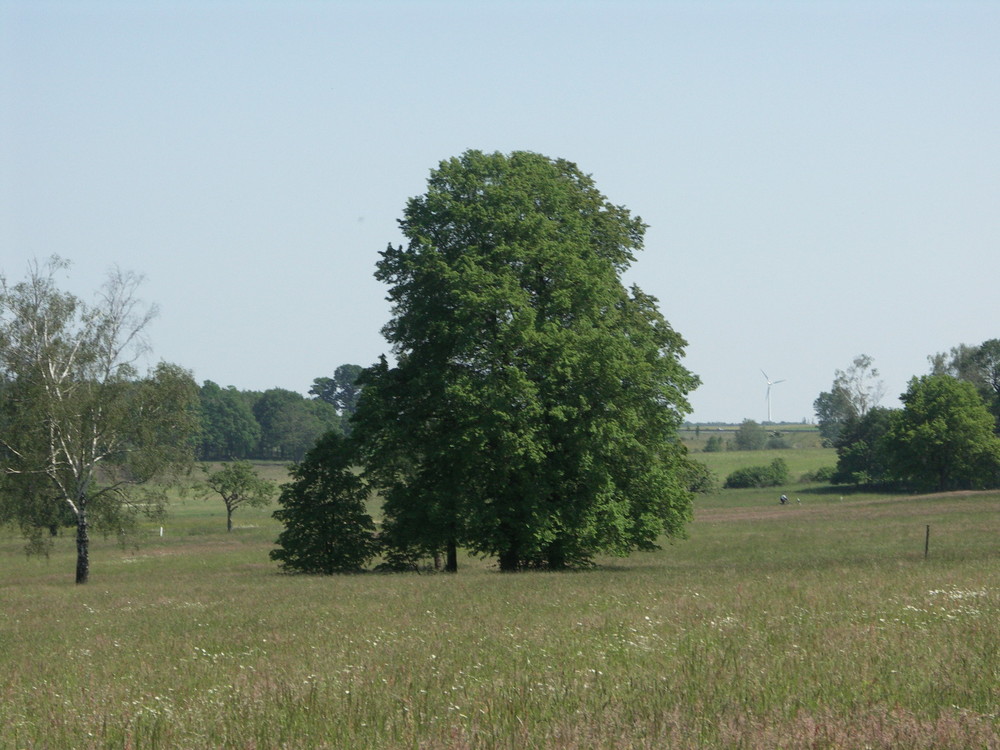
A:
[82,548]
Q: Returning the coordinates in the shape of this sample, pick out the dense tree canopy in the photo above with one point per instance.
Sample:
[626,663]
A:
[274,424]
[988,363]
[855,391]
[750,436]
[327,528]
[342,391]
[862,453]
[979,365]
[532,411]
[229,428]
[291,424]
[82,430]
[943,437]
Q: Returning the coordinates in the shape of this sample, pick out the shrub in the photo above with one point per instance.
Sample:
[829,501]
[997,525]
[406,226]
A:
[823,474]
[715,444]
[750,436]
[776,442]
[771,475]
[698,477]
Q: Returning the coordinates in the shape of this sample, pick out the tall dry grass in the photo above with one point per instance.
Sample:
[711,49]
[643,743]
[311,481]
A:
[813,626]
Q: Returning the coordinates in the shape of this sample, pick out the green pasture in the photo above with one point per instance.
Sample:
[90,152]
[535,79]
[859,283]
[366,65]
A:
[795,434]
[800,461]
[815,625]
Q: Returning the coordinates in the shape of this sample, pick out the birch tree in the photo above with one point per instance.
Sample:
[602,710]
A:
[83,433]
[854,393]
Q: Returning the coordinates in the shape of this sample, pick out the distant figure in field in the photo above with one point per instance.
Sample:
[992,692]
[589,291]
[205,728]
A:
[783,499]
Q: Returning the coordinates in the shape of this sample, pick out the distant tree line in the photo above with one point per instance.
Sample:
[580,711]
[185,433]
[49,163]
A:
[276,424]
[749,436]
[945,436]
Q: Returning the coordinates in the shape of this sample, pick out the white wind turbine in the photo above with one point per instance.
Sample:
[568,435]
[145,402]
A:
[768,396]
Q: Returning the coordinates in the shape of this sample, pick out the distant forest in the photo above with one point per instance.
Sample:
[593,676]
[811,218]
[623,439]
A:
[276,424]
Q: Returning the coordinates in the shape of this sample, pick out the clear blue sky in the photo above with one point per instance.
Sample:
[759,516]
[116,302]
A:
[821,179]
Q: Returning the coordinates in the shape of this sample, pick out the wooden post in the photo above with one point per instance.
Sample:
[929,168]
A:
[927,541]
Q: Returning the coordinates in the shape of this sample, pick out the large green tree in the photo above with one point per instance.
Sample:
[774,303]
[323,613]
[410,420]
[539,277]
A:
[83,431]
[988,363]
[943,436]
[532,411]
[979,365]
[862,456]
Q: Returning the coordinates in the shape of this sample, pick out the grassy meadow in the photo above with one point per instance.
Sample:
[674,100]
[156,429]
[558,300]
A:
[801,461]
[815,625]
[796,435]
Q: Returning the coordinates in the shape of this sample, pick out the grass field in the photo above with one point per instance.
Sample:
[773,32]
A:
[796,435]
[800,461]
[815,625]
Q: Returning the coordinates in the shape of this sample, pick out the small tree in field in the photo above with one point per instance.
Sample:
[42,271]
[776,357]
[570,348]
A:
[750,436]
[715,444]
[327,526]
[238,484]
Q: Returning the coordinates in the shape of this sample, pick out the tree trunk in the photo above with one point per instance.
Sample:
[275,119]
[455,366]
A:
[556,554]
[510,560]
[229,519]
[82,548]
[451,564]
